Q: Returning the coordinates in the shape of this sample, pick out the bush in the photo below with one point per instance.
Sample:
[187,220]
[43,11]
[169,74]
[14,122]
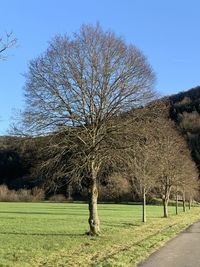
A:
[7,195]
[3,192]
[36,194]
[57,198]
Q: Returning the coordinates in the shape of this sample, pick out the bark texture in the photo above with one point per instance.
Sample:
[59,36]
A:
[93,211]
[165,199]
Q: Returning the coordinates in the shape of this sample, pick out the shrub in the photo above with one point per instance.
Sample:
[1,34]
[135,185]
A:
[7,195]
[57,198]
[3,192]
[36,194]
[24,195]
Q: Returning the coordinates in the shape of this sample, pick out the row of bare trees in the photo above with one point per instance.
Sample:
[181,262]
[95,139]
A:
[83,86]
[160,160]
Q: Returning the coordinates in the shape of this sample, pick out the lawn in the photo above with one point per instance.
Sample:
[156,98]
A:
[46,234]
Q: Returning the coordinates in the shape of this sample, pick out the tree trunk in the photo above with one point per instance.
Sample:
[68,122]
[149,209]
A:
[93,212]
[165,208]
[190,203]
[176,202]
[166,200]
[144,219]
[184,207]
[69,188]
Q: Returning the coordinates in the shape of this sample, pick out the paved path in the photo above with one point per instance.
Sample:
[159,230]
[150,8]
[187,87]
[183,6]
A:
[182,251]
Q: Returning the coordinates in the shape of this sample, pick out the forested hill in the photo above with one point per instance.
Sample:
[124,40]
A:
[185,111]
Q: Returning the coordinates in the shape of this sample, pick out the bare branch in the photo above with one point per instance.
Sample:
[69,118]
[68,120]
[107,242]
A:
[6,42]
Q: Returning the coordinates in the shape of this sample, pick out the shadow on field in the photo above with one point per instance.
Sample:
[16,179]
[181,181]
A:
[121,225]
[131,224]
[41,234]
[41,213]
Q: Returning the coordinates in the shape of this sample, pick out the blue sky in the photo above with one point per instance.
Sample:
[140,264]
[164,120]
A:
[168,33]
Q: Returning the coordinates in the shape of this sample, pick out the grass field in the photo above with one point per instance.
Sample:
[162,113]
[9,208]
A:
[46,234]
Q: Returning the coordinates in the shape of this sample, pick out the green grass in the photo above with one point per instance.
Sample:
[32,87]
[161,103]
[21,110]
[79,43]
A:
[46,234]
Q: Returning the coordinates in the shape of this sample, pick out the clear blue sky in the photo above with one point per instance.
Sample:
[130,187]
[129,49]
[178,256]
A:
[168,33]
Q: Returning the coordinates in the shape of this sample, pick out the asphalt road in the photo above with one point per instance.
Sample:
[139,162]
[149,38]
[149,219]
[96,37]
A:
[182,251]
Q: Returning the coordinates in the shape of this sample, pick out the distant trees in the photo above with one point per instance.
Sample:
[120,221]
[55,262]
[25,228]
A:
[80,86]
[17,158]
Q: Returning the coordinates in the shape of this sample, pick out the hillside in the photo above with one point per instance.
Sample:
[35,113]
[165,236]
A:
[185,111]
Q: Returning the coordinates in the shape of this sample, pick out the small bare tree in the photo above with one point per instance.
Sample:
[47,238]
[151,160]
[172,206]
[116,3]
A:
[80,86]
[170,149]
[6,42]
[143,156]
[143,171]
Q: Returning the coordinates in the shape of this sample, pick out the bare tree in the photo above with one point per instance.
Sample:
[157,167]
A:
[144,157]
[143,171]
[6,42]
[80,85]
[170,150]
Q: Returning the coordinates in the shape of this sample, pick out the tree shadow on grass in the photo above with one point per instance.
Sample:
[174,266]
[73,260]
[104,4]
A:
[121,225]
[131,224]
[39,213]
[42,234]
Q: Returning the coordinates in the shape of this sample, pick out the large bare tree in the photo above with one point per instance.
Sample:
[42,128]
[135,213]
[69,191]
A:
[81,85]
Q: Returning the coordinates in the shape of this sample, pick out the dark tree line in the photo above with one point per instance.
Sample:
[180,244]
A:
[185,111]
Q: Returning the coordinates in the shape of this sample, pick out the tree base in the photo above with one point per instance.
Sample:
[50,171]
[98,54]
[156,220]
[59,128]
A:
[90,233]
